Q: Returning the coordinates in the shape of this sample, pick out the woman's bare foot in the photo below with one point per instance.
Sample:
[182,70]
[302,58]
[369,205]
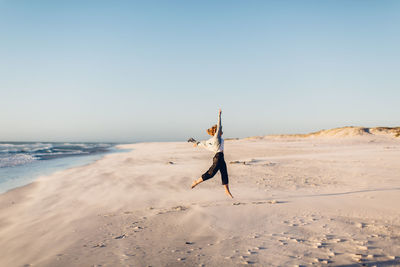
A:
[229,194]
[227,190]
[196,182]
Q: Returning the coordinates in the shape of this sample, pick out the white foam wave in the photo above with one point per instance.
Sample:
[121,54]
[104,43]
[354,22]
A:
[23,153]
[15,160]
[30,147]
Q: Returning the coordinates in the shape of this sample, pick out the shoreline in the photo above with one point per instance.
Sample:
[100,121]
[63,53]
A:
[308,202]
[53,166]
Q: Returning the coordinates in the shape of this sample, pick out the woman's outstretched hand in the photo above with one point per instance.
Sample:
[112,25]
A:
[219,111]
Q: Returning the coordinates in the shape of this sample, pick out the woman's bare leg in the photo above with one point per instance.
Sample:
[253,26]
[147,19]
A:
[196,182]
[227,190]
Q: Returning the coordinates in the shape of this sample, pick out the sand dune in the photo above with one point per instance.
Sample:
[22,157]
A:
[298,202]
[358,131]
[349,131]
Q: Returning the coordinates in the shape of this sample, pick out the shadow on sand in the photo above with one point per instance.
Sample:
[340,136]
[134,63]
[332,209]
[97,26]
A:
[349,192]
[373,263]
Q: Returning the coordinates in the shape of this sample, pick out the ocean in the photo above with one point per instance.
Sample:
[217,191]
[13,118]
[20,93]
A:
[22,162]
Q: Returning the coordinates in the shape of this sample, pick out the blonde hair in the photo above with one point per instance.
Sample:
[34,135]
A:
[211,131]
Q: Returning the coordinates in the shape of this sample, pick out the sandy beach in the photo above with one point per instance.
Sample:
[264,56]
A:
[298,201]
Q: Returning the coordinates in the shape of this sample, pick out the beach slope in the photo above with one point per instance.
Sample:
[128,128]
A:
[298,201]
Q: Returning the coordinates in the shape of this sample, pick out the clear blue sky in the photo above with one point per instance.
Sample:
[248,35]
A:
[159,70]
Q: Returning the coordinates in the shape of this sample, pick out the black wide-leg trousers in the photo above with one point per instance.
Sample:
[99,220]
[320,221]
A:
[218,165]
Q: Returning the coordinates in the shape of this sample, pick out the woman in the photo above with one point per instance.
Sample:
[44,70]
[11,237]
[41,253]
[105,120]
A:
[215,144]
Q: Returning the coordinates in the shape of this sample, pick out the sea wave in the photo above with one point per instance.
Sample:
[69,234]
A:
[13,154]
[14,160]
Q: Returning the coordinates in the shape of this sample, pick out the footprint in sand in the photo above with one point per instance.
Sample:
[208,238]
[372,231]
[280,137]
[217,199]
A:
[283,242]
[360,225]
[254,236]
[258,202]
[318,245]
[173,209]
[138,228]
[329,237]
[99,245]
[297,240]
[321,261]
[109,215]
[179,208]
[120,236]
[331,254]
[355,256]
[251,252]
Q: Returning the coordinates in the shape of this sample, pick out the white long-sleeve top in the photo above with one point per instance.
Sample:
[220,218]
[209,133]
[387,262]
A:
[215,143]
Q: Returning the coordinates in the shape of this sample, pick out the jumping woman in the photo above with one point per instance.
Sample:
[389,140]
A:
[216,145]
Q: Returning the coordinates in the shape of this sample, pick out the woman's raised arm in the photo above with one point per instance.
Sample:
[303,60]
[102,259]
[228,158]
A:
[218,124]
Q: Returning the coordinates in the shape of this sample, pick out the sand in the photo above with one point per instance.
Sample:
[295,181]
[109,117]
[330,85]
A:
[298,201]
